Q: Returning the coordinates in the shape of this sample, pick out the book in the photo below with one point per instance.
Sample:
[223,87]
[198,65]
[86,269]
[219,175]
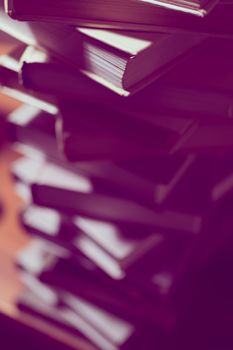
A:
[74,195]
[23,9]
[86,322]
[199,87]
[129,180]
[152,133]
[128,250]
[112,15]
[125,251]
[165,257]
[92,132]
[30,125]
[149,180]
[113,59]
[66,276]
[78,197]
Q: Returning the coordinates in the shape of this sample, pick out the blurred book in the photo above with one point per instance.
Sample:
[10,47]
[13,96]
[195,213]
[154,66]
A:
[95,132]
[199,204]
[133,15]
[151,135]
[145,180]
[120,297]
[89,323]
[73,194]
[23,9]
[126,250]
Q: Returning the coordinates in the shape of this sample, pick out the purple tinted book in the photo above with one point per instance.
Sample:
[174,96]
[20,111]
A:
[127,179]
[141,16]
[94,51]
[198,87]
[90,324]
[22,8]
[186,209]
[85,128]
[120,252]
[123,252]
[132,305]
[54,266]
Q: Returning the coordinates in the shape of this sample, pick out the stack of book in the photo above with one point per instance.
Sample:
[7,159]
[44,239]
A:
[121,116]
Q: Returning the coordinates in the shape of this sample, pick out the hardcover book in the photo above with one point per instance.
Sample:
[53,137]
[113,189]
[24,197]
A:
[24,9]
[199,87]
[91,133]
[134,15]
[114,59]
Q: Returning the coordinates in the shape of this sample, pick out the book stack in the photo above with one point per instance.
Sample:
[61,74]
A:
[121,116]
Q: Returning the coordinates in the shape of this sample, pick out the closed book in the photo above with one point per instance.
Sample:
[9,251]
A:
[92,135]
[79,127]
[120,252]
[50,226]
[107,207]
[122,334]
[199,87]
[113,59]
[150,181]
[87,322]
[141,307]
[191,199]
[89,144]
[145,181]
[126,253]
[91,132]
[151,262]
[66,276]
[24,8]
[143,16]
[190,207]
[65,191]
